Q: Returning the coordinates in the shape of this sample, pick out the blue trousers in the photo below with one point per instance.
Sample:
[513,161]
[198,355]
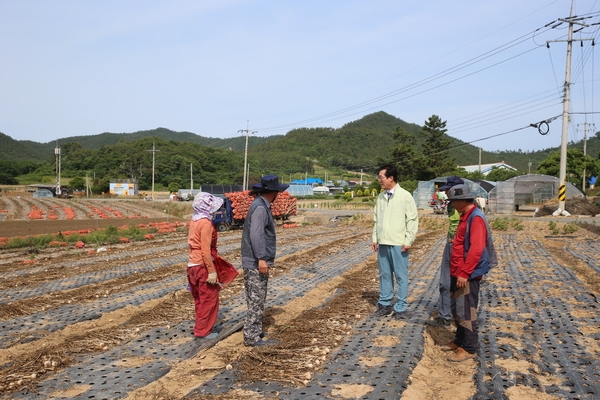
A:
[444,310]
[393,266]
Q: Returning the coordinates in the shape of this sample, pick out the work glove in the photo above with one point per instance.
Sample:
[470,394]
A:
[212,278]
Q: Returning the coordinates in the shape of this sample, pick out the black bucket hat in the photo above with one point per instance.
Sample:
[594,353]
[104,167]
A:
[269,183]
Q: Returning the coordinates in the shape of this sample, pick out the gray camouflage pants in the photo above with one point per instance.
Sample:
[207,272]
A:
[255,284]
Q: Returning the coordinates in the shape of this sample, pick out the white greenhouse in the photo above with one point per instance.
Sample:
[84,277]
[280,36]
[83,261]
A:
[508,196]
[425,190]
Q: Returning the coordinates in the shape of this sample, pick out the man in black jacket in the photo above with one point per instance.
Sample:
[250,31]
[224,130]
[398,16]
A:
[258,255]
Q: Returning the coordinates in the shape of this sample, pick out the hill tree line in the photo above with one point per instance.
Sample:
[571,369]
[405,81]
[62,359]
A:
[420,152]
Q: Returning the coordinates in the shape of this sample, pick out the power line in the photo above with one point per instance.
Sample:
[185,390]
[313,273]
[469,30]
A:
[435,59]
[504,118]
[418,84]
[489,119]
[486,120]
[547,121]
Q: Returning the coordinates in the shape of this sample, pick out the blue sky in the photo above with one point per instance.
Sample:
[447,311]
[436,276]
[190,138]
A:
[86,67]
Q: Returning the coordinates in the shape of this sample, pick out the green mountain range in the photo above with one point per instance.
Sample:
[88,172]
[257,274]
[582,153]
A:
[358,144]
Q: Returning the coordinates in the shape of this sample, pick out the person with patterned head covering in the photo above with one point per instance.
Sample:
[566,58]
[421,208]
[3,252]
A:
[202,276]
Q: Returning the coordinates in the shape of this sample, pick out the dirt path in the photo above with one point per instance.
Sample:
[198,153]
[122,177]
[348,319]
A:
[125,318]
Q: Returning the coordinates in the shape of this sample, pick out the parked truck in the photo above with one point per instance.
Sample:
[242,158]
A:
[235,208]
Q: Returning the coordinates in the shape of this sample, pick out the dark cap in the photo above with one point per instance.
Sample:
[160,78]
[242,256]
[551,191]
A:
[269,183]
[452,181]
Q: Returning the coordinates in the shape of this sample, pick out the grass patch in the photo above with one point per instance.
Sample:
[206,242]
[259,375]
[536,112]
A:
[506,224]
[109,235]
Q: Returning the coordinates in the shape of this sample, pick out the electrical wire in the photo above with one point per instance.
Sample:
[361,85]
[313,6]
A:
[503,118]
[423,65]
[415,85]
[579,66]
[514,104]
[359,108]
[320,120]
[427,63]
[505,111]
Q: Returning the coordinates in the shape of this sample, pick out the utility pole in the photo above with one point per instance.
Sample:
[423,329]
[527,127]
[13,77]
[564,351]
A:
[247,130]
[153,153]
[480,160]
[562,189]
[585,126]
[57,155]
[191,179]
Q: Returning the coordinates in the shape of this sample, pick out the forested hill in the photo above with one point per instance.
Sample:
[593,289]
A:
[28,150]
[96,141]
[358,144]
[22,150]
[367,141]
[355,145]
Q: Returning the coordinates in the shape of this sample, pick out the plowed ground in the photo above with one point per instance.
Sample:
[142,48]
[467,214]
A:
[18,208]
[310,328]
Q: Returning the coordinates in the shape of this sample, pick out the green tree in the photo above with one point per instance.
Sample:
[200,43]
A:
[436,148]
[374,185]
[8,179]
[8,173]
[474,175]
[404,155]
[174,187]
[101,186]
[77,183]
[501,174]
[410,185]
[576,163]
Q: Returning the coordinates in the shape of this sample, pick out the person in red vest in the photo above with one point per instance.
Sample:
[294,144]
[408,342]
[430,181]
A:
[471,257]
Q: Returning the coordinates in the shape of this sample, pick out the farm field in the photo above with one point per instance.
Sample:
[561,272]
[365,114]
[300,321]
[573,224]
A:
[52,209]
[118,323]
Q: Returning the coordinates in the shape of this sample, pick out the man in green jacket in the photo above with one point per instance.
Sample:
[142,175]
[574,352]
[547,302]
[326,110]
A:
[395,229]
